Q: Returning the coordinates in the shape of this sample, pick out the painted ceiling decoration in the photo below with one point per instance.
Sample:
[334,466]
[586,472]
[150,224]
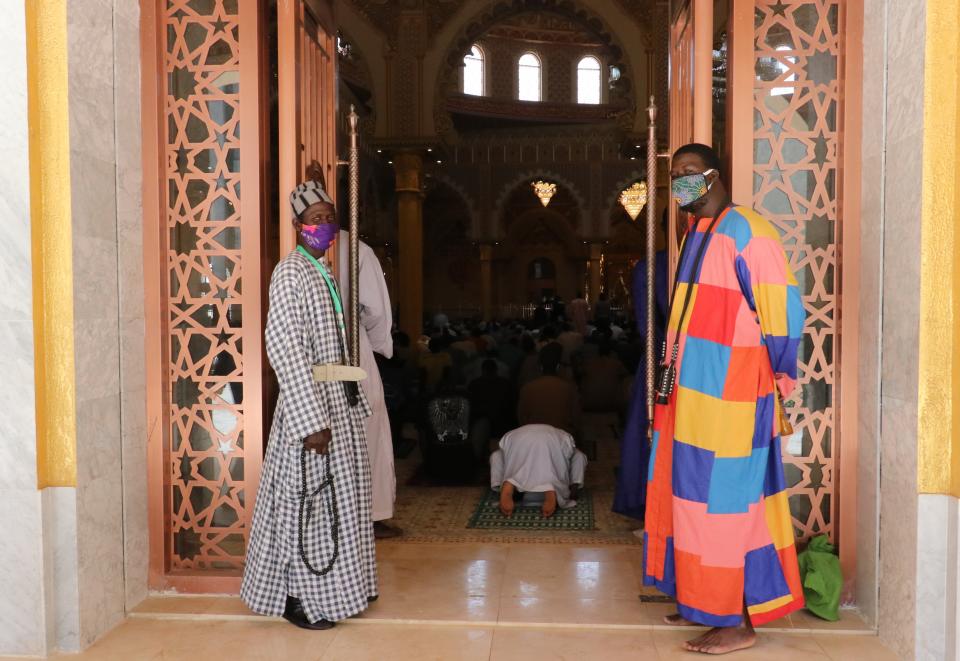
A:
[385,14]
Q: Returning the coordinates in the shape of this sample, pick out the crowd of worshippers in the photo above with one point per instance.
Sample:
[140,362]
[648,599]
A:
[518,388]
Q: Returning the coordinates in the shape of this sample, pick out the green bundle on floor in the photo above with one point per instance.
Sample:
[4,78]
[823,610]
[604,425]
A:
[821,577]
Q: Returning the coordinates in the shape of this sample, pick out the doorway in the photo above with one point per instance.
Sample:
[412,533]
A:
[214,227]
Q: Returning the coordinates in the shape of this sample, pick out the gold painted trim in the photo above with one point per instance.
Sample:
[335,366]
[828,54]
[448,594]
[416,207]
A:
[938,459]
[52,243]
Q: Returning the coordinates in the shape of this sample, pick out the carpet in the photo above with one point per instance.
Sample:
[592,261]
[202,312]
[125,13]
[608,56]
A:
[432,512]
[487,515]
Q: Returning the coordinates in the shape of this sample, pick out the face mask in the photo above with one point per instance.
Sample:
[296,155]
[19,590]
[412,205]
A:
[690,188]
[319,237]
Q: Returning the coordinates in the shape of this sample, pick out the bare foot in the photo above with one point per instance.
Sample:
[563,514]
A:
[678,620]
[722,640]
[549,504]
[506,499]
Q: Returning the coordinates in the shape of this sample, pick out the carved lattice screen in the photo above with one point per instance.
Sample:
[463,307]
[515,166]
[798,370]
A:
[206,500]
[798,104]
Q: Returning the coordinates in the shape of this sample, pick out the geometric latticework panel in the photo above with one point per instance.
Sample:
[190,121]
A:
[205,460]
[798,97]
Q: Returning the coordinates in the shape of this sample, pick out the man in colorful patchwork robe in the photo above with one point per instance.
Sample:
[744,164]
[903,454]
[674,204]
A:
[311,554]
[718,532]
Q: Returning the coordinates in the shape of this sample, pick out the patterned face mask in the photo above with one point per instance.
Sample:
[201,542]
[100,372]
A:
[319,237]
[690,188]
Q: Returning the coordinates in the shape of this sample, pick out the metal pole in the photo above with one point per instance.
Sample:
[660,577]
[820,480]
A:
[354,258]
[651,255]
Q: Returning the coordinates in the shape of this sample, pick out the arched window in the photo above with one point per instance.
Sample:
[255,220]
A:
[528,88]
[473,72]
[588,80]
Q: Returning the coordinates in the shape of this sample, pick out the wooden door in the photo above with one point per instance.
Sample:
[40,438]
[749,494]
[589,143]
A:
[306,71]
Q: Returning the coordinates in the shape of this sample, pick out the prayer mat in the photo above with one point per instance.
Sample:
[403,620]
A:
[487,515]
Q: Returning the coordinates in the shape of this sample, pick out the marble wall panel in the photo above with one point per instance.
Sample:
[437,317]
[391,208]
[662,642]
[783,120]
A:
[62,593]
[901,269]
[136,540]
[90,48]
[128,156]
[18,439]
[898,525]
[100,556]
[936,568]
[17,300]
[905,55]
[93,189]
[22,602]
[22,574]
[95,293]
[94,103]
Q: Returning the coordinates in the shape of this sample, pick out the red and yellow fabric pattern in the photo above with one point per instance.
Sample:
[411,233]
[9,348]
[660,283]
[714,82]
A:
[718,531]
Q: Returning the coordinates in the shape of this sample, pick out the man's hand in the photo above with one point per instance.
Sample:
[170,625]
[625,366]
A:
[319,442]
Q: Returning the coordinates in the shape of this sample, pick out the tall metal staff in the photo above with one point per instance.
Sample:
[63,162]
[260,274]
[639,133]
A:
[651,255]
[353,167]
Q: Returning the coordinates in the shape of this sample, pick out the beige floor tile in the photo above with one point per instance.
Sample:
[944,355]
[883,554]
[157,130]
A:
[439,579]
[175,640]
[400,550]
[405,643]
[175,605]
[849,620]
[572,611]
[539,553]
[769,647]
[571,579]
[653,614]
[846,647]
[401,606]
[565,645]
[229,606]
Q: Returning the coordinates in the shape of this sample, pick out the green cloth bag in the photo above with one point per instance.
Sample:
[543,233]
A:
[821,578]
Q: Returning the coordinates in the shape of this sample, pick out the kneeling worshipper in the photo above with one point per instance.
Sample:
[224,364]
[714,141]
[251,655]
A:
[538,459]
[311,555]
[718,532]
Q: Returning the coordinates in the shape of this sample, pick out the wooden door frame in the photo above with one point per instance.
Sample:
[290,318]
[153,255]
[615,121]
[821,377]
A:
[156,278]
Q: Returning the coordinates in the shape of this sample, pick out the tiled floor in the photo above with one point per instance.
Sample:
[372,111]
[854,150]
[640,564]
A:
[149,639]
[463,601]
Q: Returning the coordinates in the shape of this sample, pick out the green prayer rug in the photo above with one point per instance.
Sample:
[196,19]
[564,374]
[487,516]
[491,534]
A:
[487,515]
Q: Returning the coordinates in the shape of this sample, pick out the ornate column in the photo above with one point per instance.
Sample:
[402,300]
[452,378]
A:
[596,254]
[486,280]
[408,167]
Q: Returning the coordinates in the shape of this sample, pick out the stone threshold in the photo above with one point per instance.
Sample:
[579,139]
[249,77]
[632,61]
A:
[225,608]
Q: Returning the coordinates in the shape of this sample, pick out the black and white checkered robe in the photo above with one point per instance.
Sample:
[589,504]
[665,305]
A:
[302,330]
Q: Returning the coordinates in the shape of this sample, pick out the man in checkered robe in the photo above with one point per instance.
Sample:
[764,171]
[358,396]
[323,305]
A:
[311,554]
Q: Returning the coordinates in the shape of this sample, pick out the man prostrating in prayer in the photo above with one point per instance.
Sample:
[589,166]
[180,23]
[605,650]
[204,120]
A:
[311,555]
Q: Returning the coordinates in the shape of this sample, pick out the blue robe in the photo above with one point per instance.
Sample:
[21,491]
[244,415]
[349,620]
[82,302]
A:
[631,493]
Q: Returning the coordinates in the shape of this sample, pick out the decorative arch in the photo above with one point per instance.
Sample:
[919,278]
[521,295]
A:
[558,226]
[546,174]
[613,53]
[454,185]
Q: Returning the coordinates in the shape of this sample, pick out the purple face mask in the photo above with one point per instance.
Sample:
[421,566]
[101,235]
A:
[319,237]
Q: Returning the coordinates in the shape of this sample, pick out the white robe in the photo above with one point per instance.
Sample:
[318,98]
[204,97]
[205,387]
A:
[539,458]
[376,324]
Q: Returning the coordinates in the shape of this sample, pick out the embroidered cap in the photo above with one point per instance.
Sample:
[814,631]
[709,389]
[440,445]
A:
[306,194]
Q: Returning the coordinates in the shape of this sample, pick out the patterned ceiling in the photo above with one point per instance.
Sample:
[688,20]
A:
[385,14]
